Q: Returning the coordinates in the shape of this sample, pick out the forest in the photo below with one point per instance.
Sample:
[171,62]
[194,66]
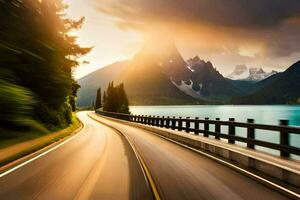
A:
[114,99]
[37,57]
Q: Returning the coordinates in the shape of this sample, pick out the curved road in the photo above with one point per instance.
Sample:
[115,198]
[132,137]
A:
[183,174]
[97,164]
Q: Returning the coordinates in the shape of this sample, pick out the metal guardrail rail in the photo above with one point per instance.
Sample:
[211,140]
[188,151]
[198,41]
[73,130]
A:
[184,124]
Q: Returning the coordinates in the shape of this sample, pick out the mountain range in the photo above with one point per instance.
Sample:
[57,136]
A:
[281,88]
[242,72]
[160,76]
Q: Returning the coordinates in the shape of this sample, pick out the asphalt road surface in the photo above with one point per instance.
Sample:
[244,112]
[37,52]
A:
[97,164]
[181,174]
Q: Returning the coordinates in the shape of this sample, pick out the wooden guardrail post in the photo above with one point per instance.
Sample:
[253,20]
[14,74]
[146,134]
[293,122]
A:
[162,121]
[206,127]
[157,121]
[149,120]
[187,124]
[284,138]
[231,131]
[196,126]
[139,119]
[173,123]
[154,120]
[135,118]
[180,124]
[168,122]
[217,128]
[250,133]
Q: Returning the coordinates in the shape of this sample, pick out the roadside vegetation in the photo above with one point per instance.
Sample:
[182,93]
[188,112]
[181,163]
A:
[28,142]
[37,57]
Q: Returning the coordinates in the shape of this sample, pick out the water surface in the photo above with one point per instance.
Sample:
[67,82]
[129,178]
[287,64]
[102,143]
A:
[261,114]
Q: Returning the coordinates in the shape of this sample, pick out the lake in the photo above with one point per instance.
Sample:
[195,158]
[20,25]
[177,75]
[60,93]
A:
[261,114]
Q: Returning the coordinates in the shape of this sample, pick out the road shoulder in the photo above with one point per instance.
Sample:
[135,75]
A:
[14,155]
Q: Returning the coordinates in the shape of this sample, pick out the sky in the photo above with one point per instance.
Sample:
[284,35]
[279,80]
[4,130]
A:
[257,33]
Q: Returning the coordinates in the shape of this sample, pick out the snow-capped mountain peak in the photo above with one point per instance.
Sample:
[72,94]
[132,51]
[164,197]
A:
[241,72]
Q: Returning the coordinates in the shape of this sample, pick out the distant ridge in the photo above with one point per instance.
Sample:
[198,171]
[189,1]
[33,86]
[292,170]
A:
[282,88]
[241,72]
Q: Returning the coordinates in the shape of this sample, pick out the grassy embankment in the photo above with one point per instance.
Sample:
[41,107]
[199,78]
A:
[16,144]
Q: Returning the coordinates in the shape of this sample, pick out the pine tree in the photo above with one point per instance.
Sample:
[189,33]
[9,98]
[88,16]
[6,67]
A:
[115,99]
[124,105]
[104,97]
[98,100]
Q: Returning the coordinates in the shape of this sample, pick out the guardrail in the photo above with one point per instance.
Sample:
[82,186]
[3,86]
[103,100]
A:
[184,124]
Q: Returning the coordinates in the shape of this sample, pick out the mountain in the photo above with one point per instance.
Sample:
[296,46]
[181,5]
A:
[99,78]
[241,72]
[158,75]
[207,83]
[281,88]
[147,79]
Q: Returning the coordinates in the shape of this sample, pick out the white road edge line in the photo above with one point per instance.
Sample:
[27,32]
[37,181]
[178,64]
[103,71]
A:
[42,154]
[294,194]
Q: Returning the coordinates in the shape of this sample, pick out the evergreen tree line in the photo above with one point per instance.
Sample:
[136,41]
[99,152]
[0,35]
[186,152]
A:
[114,99]
[37,56]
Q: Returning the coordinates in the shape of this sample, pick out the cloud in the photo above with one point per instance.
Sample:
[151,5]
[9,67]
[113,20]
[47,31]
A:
[272,27]
[233,13]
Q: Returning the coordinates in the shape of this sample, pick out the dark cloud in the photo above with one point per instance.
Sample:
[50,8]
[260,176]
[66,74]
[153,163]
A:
[273,24]
[236,13]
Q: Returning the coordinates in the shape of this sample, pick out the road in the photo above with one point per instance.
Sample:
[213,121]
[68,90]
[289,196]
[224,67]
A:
[181,174]
[97,164]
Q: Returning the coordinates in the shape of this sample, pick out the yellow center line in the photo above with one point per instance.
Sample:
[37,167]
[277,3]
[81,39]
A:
[143,165]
